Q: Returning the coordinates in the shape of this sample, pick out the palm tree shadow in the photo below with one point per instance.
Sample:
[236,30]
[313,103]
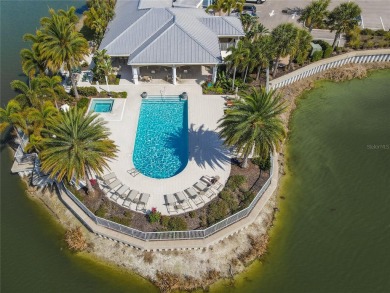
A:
[205,147]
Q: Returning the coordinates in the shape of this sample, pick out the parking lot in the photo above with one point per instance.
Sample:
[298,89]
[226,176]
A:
[375,13]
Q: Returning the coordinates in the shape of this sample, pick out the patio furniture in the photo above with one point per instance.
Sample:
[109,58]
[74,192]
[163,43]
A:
[213,182]
[194,196]
[111,186]
[122,191]
[106,178]
[170,203]
[130,198]
[183,200]
[143,200]
[201,186]
[133,172]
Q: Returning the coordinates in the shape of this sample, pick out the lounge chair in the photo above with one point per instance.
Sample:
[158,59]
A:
[143,200]
[183,201]
[194,196]
[111,186]
[133,172]
[201,186]
[170,203]
[130,198]
[108,178]
[213,182]
[122,191]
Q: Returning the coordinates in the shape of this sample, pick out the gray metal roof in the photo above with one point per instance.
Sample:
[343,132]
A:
[187,3]
[139,32]
[126,13]
[167,35]
[145,4]
[223,26]
[160,50]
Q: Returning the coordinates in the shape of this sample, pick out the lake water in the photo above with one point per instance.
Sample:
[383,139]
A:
[332,233]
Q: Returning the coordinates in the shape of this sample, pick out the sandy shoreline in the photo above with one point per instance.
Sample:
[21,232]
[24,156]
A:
[222,260]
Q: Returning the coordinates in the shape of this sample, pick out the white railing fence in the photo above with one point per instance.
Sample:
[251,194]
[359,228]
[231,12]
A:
[333,62]
[172,235]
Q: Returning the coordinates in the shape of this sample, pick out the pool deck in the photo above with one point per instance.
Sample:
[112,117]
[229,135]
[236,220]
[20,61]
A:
[207,155]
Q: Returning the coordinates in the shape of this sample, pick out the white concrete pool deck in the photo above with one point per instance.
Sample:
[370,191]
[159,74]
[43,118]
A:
[207,155]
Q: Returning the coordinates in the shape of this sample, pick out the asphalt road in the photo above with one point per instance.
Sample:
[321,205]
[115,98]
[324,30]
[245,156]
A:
[375,14]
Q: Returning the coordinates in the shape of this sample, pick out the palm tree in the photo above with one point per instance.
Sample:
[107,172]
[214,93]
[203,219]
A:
[263,53]
[76,146]
[12,116]
[30,95]
[41,116]
[253,124]
[103,66]
[96,23]
[230,5]
[283,38]
[52,88]
[236,57]
[315,13]
[217,6]
[301,46]
[343,19]
[62,45]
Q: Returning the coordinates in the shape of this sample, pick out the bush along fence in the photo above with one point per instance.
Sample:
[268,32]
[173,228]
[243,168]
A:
[333,62]
[170,235]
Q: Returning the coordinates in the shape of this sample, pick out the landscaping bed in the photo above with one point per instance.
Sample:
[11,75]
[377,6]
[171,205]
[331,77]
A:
[241,188]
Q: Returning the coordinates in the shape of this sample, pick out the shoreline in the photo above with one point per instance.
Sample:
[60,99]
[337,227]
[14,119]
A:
[222,260]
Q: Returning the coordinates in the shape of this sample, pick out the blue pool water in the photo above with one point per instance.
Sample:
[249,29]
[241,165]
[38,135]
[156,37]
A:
[102,105]
[161,144]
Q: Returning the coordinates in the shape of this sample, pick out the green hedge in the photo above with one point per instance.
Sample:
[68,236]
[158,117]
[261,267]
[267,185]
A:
[317,55]
[326,48]
[83,103]
[85,91]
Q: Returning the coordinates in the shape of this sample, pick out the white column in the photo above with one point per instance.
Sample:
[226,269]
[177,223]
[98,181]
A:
[174,74]
[376,58]
[215,70]
[135,74]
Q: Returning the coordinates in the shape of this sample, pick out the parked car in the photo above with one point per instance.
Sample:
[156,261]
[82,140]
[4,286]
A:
[256,1]
[247,9]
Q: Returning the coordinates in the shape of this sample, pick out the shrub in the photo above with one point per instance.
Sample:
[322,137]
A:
[380,33]
[83,103]
[382,44]
[235,181]
[370,44]
[119,95]
[84,64]
[164,221]
[177,224]
[101,211]
[75,239]
[192,214]
[264,164]
[121,220]
[248,197]
[148,257]
[219,90]
[326,48]
[154,216]
[229,199]
[317,55]
[85,91]
[367,32]
[217,210]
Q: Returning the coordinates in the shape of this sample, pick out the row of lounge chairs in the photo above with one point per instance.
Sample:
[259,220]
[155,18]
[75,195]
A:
[114,186]
[206,186]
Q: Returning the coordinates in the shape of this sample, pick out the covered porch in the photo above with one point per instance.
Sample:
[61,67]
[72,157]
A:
[164,74]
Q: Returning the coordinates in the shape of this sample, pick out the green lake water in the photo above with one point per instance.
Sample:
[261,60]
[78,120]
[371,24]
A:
[332,233]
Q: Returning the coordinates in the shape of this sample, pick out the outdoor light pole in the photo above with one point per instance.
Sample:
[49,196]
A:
[108,88]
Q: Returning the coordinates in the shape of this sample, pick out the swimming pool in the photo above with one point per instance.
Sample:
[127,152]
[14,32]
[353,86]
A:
[101,105]
[161,144]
